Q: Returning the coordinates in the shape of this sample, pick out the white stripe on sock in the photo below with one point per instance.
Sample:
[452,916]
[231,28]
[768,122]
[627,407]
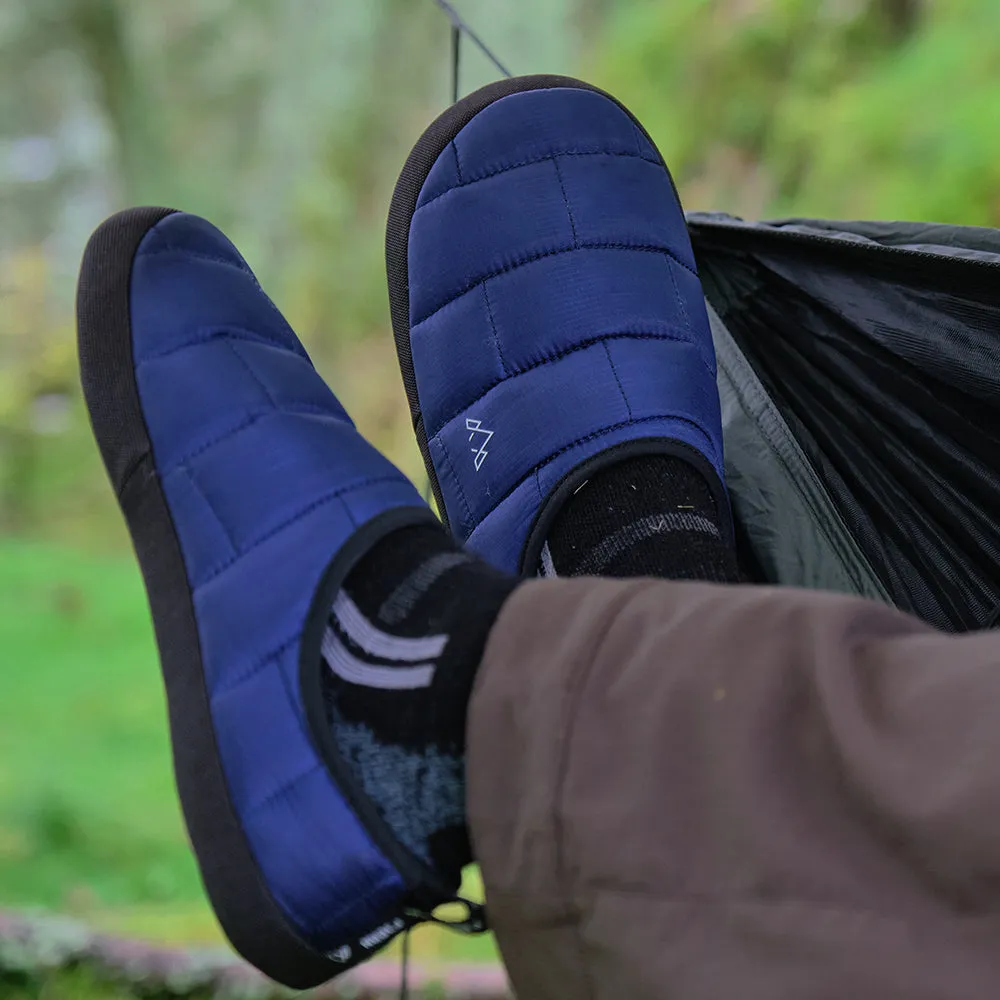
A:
[349,668]
[381,644]
[548,566]
[639,531]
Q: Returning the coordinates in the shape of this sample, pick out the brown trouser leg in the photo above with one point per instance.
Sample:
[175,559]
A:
[736,793]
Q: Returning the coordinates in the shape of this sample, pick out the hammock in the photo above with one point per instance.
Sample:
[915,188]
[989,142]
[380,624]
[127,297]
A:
[859,369]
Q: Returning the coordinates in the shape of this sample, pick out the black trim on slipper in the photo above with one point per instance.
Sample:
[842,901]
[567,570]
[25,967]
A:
[252,920]
[427,889]
[404,203]
[532,552]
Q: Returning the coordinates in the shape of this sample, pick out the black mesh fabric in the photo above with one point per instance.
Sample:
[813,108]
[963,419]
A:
[885,363]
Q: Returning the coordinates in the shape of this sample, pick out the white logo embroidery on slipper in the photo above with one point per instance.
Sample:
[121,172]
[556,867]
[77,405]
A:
[475,427]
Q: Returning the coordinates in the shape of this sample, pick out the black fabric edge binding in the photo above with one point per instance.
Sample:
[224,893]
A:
[248,913]
[404,203]
[719,240]
[426,888]
[564,489]
[940,270]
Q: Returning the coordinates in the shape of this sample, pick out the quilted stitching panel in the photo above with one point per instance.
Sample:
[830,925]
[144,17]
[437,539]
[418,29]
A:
[648,371]
[247,720]
[268,589]
[288,379]
[605,293]
[216,294]
[472,230]
[600,302]
[193,376]
[456,362]
[618,199]
[540,123]
[318,872]
[208,542]
[258,481]
[258,462]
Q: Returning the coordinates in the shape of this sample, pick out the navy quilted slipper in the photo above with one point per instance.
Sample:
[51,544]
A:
[249,495]
[547,312]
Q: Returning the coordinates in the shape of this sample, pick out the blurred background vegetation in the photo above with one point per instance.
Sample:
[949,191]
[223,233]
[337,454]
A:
[285,122]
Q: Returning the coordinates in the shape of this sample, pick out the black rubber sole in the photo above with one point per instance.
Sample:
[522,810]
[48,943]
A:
[404,203]
[248,913]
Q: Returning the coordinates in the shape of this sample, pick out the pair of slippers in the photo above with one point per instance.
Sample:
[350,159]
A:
[549,322]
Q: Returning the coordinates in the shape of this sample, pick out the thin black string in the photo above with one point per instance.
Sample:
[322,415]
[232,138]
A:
[404,985]
[460,27]
[456,48]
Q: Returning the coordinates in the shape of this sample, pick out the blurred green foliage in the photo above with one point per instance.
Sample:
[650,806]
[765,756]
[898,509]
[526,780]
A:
[286,122]
[826,108]
[88,815]
[80,985]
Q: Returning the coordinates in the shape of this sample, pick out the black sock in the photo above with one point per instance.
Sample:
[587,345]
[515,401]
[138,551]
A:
[645,516]
[403,642]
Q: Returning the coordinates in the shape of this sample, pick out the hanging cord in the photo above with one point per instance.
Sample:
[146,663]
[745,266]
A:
[456,51]
[404,983]
[460,27]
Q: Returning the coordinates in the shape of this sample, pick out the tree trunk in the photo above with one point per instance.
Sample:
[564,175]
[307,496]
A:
[101,31]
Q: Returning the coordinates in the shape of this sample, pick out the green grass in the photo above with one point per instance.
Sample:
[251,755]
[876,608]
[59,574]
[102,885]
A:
[89,819]
[78,985]
[88,813]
